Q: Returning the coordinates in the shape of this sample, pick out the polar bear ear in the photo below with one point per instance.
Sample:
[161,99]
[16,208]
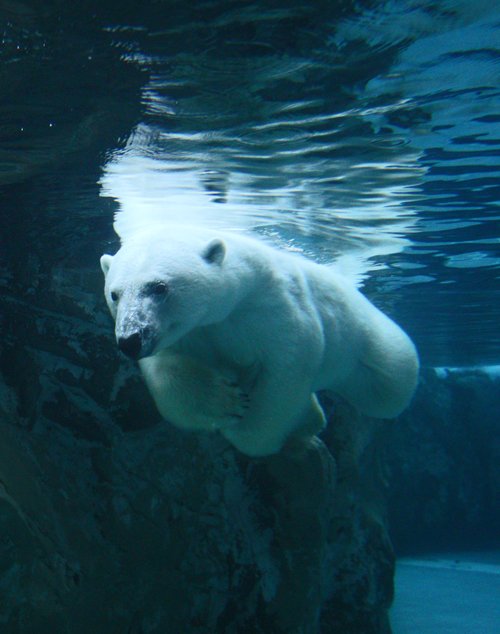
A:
[106,263]
[214,252]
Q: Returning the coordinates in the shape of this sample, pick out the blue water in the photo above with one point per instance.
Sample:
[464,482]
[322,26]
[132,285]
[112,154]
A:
[362,132]
[366,133]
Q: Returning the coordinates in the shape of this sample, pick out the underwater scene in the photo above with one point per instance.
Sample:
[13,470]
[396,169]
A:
[249,317]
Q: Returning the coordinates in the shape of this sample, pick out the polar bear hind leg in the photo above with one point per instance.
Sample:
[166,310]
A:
[383,382]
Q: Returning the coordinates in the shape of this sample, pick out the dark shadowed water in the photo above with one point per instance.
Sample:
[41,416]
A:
[365,132]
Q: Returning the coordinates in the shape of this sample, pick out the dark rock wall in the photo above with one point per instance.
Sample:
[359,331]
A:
[443,464]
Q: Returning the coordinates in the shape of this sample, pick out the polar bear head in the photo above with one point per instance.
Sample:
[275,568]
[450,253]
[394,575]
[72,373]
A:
[159,287]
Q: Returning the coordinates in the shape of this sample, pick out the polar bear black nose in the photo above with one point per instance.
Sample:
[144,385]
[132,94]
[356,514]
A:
[131,345]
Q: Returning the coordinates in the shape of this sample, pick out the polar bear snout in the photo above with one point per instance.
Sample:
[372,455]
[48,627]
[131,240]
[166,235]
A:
[136,344]
[131,345]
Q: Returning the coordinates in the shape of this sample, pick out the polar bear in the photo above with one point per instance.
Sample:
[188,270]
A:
[232,334]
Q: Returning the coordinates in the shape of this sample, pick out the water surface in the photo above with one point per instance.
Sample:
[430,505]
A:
[365,133]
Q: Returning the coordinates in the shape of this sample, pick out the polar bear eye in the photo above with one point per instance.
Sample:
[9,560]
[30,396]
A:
[114,296]
[157,289]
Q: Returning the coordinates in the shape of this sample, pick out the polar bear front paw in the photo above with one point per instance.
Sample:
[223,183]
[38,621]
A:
[227,403]
[192,395]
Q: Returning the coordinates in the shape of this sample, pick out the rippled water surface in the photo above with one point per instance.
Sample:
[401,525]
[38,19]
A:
[362,132]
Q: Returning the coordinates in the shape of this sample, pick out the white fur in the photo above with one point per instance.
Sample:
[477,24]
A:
[247,334]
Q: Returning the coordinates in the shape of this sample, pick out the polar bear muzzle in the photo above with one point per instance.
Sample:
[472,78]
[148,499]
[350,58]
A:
[131,345]
[136,343]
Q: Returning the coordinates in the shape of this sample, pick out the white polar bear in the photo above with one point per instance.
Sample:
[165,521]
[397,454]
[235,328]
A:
[236,336]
